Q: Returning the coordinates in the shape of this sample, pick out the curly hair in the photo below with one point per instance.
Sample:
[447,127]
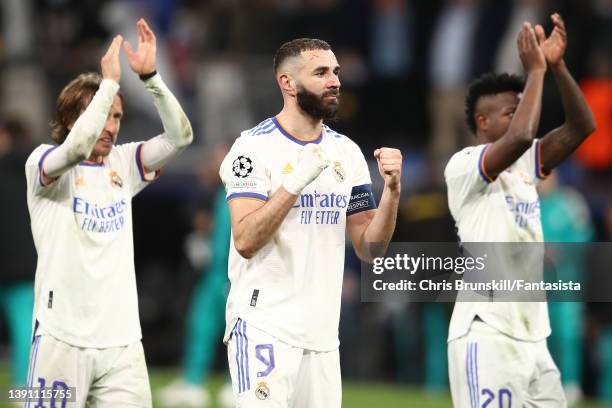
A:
[489,84]
[72,101]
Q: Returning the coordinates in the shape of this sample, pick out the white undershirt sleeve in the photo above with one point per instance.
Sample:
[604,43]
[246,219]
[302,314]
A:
[177,130]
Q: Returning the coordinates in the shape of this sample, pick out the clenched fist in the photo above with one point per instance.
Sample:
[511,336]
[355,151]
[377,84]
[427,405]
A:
[390,166]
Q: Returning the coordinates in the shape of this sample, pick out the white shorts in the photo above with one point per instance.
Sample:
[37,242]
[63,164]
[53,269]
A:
[267,372]
[488,369]
[110,377]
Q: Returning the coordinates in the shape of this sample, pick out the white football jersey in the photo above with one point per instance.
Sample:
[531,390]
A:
[504,210]
[85,287]
[291,288]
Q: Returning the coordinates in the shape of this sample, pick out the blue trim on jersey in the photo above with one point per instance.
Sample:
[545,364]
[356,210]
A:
[242,356]
[238,355]
[476,373]
[468,376]
[246,353]
[538,161]
[266,127]
[139,162]
[40,163]
[333,132]
[262,127]
[362,199]
[266,131]
[471,368]
[33,358]
[481,168]
[91,164]
[293,138]
[247,195]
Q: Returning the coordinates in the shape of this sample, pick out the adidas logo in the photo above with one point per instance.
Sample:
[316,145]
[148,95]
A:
[288,168]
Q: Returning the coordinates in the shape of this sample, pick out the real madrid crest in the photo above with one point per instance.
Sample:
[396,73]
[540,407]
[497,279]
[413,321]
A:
[339,173]
[526,179]
[262,391]
[115,180]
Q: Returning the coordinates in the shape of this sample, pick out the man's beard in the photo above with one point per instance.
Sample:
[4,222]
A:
[316,106]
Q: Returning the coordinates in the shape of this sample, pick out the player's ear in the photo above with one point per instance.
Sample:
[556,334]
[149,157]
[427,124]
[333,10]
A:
[286,83]
[482,121]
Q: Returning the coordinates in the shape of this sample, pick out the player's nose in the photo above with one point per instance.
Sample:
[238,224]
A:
[334,82]
[111,127]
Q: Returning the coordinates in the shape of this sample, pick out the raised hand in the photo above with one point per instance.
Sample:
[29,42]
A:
[530,52]
[389,166]
[554,46]
[109,63]
[142,61]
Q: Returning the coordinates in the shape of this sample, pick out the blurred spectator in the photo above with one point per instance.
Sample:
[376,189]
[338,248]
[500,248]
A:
[206,316]
[490,28]
[392,22]
[17,251]
[566,219]
[600,332]
[392,100]
[22,83]
[532,11]
[224,107]
[449,70]
[596,152]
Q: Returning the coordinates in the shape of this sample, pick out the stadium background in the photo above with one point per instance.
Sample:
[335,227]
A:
[405,68]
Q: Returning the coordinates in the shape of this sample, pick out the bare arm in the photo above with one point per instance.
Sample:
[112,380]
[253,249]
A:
[579,122]
[524,125]
[254,222]
[371,231]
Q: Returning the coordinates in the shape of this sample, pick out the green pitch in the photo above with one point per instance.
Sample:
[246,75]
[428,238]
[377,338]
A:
[356,394]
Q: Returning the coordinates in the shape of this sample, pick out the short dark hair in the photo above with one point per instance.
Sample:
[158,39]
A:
[489,84]
[295,47]
[72,101]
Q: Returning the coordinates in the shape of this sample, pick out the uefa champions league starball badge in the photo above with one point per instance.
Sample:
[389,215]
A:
[243,166]
[262,391]
[339,173]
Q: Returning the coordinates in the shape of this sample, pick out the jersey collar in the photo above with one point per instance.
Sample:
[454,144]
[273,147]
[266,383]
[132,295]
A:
[293,138]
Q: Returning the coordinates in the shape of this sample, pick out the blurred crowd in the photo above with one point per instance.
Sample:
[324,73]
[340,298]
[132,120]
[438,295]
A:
[406,65]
